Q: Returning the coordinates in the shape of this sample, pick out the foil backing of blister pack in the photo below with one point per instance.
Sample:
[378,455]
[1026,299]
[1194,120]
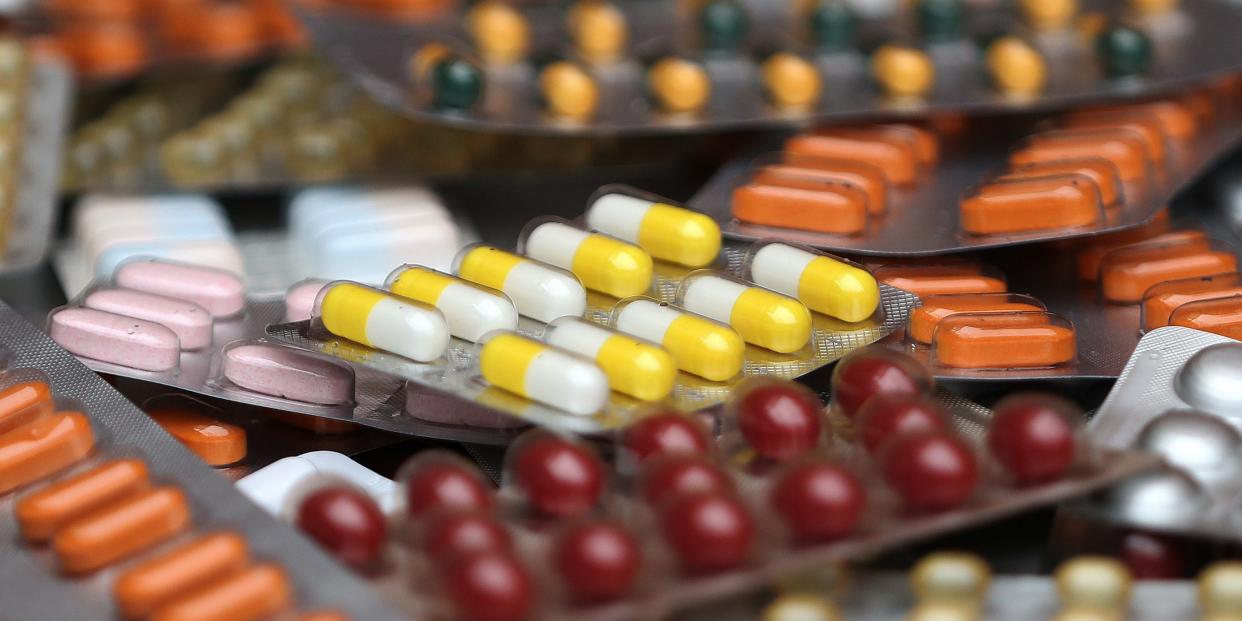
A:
[30,587]
[925,219]
[886,530]
[1192,44]
[457,372]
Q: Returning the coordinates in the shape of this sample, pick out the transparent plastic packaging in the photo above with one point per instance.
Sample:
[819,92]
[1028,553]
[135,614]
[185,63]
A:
[826,284]
[1007,340]
[1031,204]
[1161,301]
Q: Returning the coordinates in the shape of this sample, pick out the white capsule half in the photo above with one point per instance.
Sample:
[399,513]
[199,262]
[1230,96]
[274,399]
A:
[384,321]
[543,373]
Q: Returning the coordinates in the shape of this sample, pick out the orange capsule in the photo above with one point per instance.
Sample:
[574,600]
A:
[22,403]
[1161,300]
[215,442]
[48,510]
[865,177]
[895,155]
[926,144]
[43,447]
[1121,147]
[1127,273]
[1145,126]
[925,318]
[1099,170]
[1178,120]
[121,529]
[824,207]
[145,587]
[249,595]
[1221,316]
[1033,204]
[1090,256]
[927,280]
[1003,341]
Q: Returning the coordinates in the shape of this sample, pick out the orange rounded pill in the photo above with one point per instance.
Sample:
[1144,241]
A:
[22,403]
[141,590]
[897,159]
[1161,300]
[808,206]
[997,341]
[930,280]
[1177,120]
[105,49]
[925,318]
[1156,232]
[322,615]
[46,511]
[121,529]
[926,145]
[1147,127]
[1221,316]
[1125,150]
[96,10]
[1100,171]
[1030,205]
[1127,274]
[215,442]
[43,447]
[249,595]
[865,177]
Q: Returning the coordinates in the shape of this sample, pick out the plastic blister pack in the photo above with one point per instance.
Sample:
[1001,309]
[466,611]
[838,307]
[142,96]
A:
[96,495]
[727,516]
[658,67]
[1067,178]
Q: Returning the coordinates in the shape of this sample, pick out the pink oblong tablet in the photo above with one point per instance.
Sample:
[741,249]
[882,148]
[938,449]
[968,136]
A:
[189,321]
[220,292]
[300,299]
[289,374]
[126,341]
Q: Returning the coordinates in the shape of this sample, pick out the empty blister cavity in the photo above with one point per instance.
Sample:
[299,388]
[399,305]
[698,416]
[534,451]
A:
[1211,380]
[471,310]
[1161,301]
[382,320]
[1161,498]
[924,319]
[700,346]
[220,292]
[543,373]
[1201,444]
[666,231]
[190,322]
[603,263]
[115,339]
[761,316]
[1004,341]
[538,290]
[287,373]
[634,367]
[1031,204]
[825,284]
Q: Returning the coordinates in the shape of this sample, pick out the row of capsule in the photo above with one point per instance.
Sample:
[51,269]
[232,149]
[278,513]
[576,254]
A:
[553,536]
[95,508]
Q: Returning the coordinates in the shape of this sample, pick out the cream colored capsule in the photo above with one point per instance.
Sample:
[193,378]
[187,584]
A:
[384,321]
[1220,588]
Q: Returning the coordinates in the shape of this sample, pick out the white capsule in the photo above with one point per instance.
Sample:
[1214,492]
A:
[539,291]
[384,321]
[470,309]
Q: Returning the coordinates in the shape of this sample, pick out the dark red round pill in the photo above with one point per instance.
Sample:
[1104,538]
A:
[819,500]
[780,420]
[490,586]
[443,485]
[346,523]
[597,561]
[559,477]
[667,432]
[886,415]
[449,534]
[708,532]
[1032,438]
[669,476]
[868,372]
[931,471]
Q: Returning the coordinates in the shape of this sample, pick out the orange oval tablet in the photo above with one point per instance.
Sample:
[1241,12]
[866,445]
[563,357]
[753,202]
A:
[43,447]
[1221,316]
[997,341]
[898,159]
[865,177]
[48,510]
[106,48]
[926,144]
[1031,205]
[215,442]
[96,10]
[1100,171]
[227,30]
[1145,126]
[1126,274]
[811,206]
[1124,149]
[1161,300]
[924,281]
[1089,257]
[145,587]
[925,318]
[22,403]
[249,595]
[1178,120]
[121,529]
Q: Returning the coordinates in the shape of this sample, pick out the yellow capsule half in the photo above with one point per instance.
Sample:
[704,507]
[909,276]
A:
[666,232]
[826,285]
[543,373]
[698,345]
[763,317]
[634,367]
[602,263]
[384,321]
[470,310]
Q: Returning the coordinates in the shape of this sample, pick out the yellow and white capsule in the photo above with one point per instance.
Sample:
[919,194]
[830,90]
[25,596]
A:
[602,263]
[666,232]
[699,345]
[763,317]
[634,367]
[539,291]
[381,320]
[470,310]
[543,373]
[825,284]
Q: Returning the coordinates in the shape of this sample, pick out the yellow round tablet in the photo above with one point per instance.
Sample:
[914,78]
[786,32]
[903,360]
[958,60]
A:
[1016,67]
[598,29]
[500,32]
[568,90]
[1049,14]
[791,81]
[679,85]
[903,71]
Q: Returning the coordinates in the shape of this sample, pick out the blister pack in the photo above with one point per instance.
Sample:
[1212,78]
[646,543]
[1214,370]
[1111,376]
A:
[906,190]
[107,514]
[727,516]
[653,66]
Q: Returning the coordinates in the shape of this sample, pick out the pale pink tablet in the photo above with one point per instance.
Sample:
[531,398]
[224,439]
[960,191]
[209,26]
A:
[125,341]
[300,299]
[220,292]
[289,374]
[436,407]
[189,321]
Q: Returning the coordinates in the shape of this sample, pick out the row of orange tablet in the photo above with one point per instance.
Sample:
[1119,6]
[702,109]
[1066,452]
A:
[832,180]
[111,37]
[970,321]
[108,510]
